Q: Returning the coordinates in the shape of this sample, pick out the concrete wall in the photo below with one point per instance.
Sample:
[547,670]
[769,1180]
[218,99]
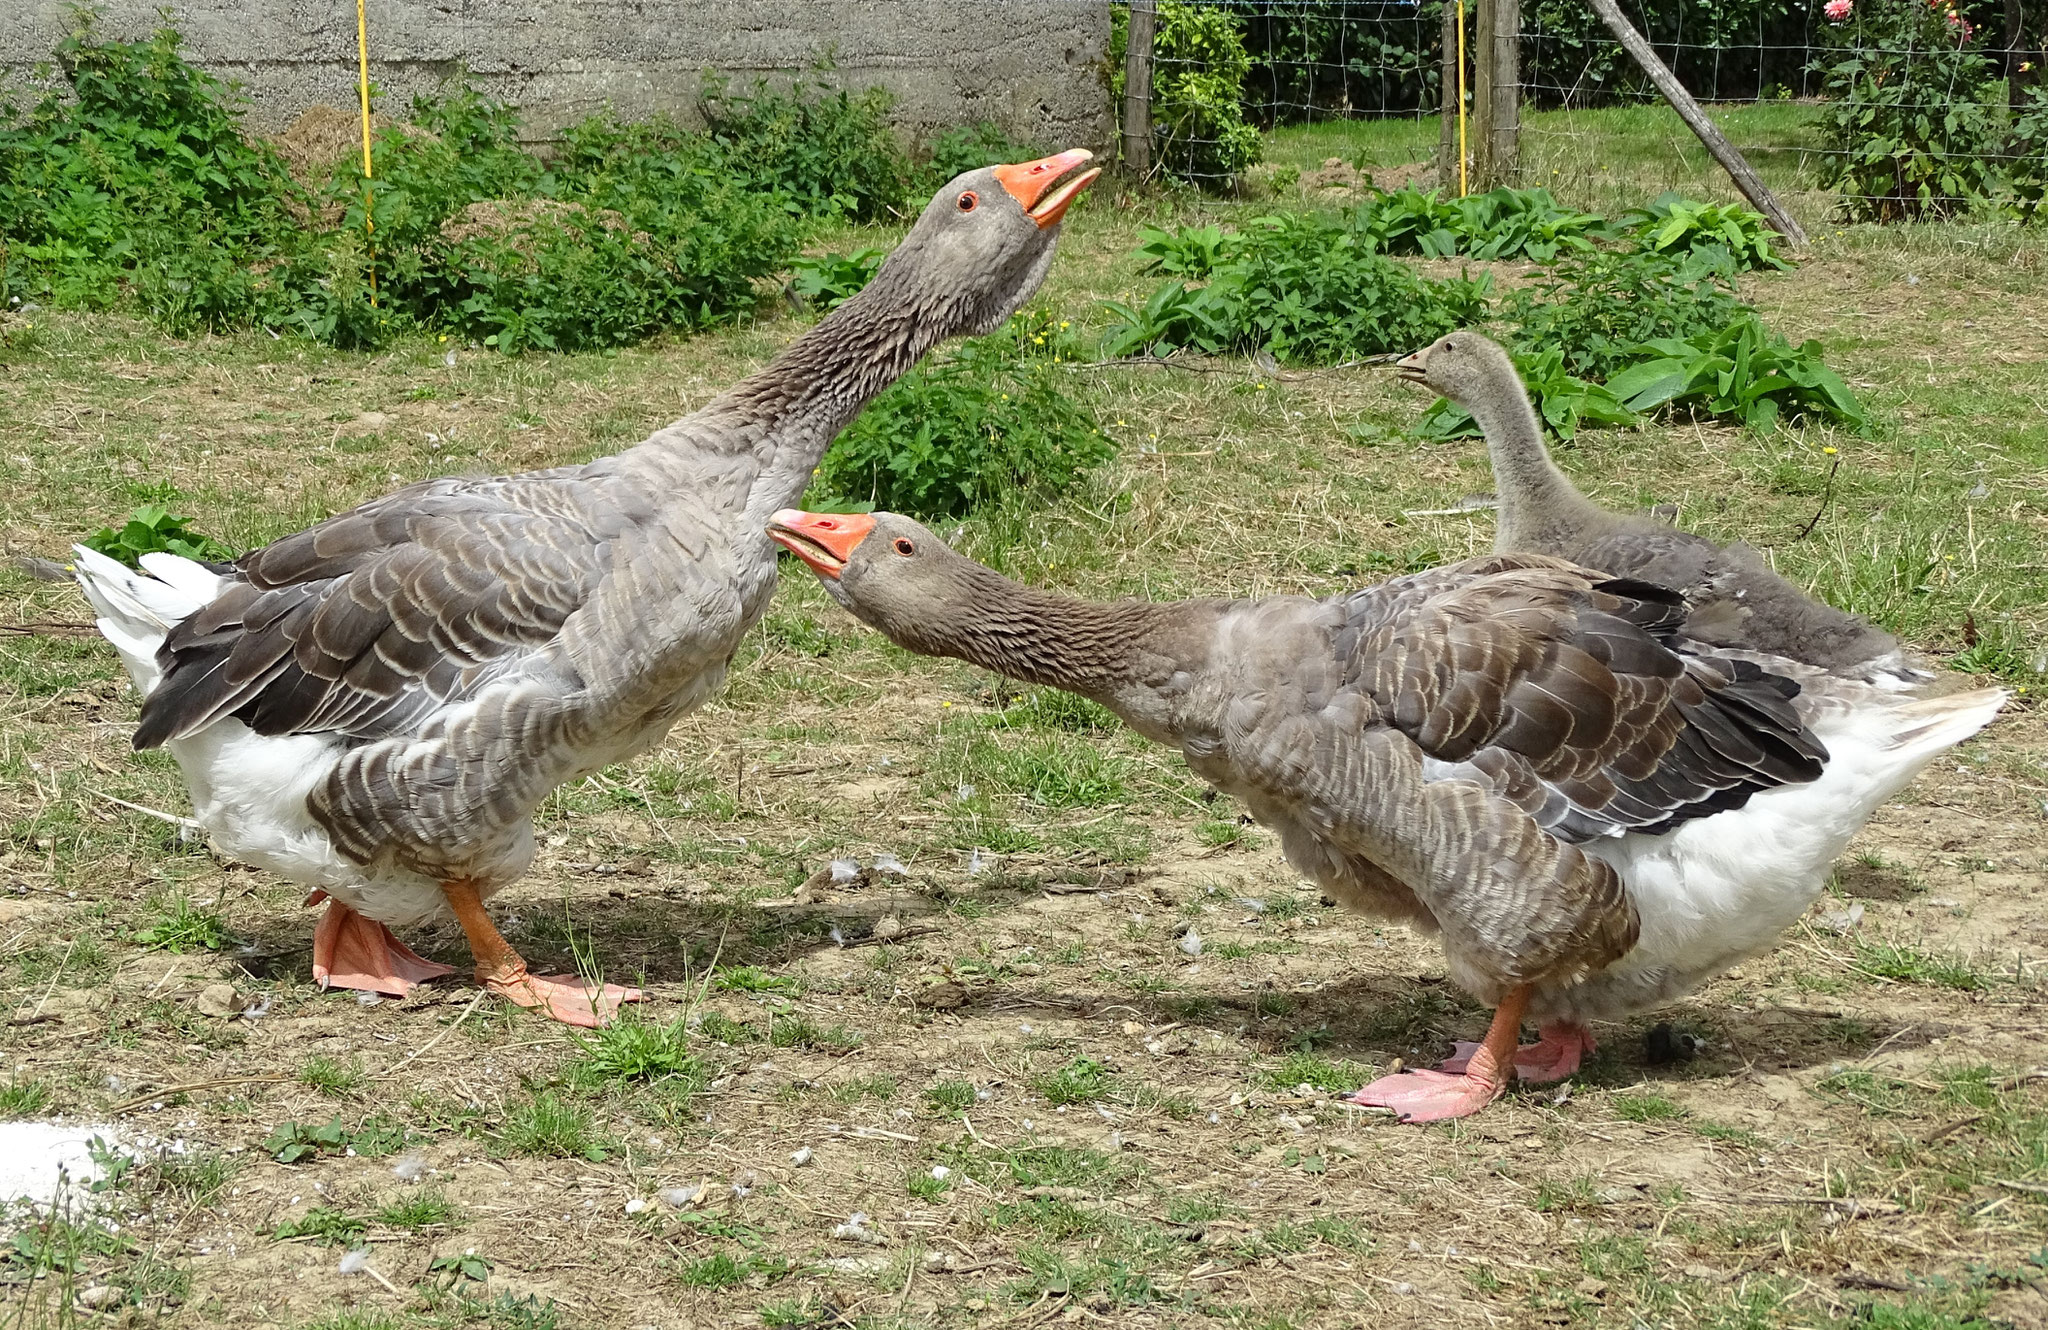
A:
[1032,66]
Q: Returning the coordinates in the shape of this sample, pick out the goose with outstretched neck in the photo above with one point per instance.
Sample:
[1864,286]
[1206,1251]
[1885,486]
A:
[373,708]
[1522,755]
[1737,601]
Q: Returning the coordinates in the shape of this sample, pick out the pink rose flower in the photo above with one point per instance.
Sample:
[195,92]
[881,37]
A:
[1837,10]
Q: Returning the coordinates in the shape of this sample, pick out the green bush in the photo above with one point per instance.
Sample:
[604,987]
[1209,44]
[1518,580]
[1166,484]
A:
[147,147]
[1724,235]
[1743,372]
[1915,116]
[1500,224]
[969,427]
[143,181]
[828,154]
[830,280]
[1199,64]
[1308,290]
[2028,172]
[1597,308]
[969,148]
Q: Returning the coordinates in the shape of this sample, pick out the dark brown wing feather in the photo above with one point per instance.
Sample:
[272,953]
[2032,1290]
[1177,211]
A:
[1571,693]
[369,621]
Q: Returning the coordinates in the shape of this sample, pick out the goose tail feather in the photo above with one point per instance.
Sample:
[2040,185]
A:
[136,610]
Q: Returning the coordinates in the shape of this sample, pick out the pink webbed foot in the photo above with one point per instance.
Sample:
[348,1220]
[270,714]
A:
[350,951]
[1554,1056]
[565,998]
[1428,1096]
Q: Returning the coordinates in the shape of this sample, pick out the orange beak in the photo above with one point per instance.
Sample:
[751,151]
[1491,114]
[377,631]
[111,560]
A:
[825,541]
[1031,184]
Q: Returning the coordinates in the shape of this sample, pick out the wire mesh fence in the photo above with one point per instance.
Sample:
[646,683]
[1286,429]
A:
[1887,108]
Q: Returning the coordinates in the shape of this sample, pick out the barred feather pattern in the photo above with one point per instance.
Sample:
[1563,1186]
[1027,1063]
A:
[471,643]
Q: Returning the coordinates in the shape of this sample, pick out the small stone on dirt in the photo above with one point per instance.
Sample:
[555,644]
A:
[219,1000]
[888,927]
[944,997]
[371,421]
[99,1295]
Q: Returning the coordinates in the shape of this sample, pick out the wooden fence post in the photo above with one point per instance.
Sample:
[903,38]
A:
[1447,151]
[1745,177]
[1482,96]
[1504,95]
[1137,137]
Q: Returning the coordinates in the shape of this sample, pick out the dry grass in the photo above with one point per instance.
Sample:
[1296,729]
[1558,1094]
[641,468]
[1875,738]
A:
[1862,1139]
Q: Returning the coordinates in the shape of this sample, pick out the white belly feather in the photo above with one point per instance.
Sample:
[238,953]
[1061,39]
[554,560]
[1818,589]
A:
[1720,889]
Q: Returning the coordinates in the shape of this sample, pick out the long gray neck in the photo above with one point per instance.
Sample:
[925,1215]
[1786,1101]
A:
[752,449]
[1128,655]
[1536,498]
[799,403]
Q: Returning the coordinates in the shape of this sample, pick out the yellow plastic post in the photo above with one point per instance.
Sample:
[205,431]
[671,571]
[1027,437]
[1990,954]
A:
[1462,154]
[363,86]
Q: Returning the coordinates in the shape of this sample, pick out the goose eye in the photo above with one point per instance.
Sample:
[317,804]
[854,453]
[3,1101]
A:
[968,201]
[902,545]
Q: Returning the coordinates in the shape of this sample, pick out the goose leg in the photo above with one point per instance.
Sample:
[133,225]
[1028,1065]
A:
[499,968]
[1431,1096]
[350,951]
[1555,1054]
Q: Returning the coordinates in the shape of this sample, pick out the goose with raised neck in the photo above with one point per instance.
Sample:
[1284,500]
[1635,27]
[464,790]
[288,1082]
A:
[374,707]
[1738,601]
[1595,811]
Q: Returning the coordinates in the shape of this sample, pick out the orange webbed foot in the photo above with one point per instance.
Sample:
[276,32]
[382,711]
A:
[565,998]
[351,951]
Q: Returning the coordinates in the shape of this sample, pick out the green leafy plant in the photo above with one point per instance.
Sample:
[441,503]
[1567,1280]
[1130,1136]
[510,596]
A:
[828,281]
[1741,371]
[152,529]
[968,148]
[331,1225]
[1500,224]
[290,1142]
[178,926]
[1199,63]
[634,1048]
[1914,117]
[1728,235]
[824,150]
[1306,289]
[986,420]
[465,1267]
[1598,308]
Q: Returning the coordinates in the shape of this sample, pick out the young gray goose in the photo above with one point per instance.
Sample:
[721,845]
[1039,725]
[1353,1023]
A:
[1737,601]
[1526,756]
[372,708]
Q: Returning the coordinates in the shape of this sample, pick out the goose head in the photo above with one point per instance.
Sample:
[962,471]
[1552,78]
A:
[983,244]
[889,572]
[1469,369]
